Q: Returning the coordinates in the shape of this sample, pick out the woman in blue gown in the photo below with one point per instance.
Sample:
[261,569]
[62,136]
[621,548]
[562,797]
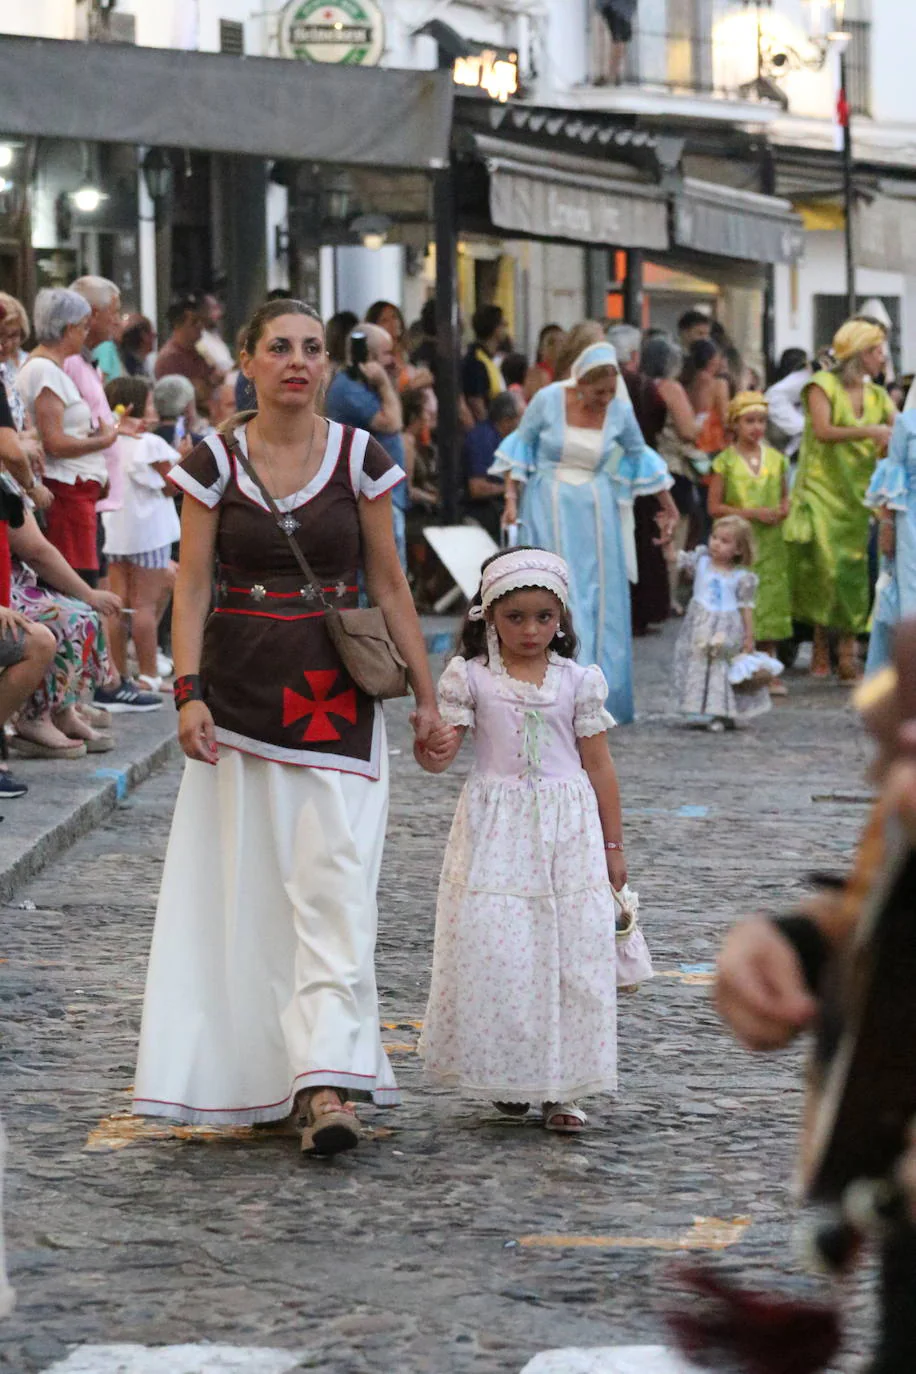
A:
[893,494]
[580,460]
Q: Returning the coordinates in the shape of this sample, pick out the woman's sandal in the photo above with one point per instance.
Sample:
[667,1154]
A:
[330,1127]
[515,1109]
[554,1114]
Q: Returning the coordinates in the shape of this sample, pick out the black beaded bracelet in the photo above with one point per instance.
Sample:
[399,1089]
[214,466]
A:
[187,688]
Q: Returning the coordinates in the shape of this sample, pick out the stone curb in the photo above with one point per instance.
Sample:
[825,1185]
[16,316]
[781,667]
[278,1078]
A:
[85,815]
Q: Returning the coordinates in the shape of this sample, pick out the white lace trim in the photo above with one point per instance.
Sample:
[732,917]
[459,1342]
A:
[592,724]
[543,695]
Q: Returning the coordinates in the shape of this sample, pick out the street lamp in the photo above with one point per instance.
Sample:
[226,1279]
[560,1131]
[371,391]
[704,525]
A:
[831,15]
[158,174]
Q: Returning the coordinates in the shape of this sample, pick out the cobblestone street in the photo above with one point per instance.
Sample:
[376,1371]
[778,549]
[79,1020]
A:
[452,1243]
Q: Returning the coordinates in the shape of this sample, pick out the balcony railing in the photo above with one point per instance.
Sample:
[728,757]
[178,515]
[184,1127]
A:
[672,49]
[671,46]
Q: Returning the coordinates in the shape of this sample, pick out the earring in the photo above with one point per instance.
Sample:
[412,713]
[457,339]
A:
[560,634]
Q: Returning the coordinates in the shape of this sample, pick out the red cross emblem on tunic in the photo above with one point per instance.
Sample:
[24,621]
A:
[320,706]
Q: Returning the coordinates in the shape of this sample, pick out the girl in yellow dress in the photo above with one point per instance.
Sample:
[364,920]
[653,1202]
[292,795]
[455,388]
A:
[751,480]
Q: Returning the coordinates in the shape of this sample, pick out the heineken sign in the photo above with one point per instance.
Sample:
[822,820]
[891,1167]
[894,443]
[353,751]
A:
[348,32]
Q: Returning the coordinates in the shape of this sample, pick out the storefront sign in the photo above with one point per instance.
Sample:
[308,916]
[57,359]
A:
[494,73]
[594,211]
[349,32]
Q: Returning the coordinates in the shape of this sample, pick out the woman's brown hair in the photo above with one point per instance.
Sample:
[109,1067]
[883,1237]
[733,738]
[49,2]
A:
[472,641]
[274,310]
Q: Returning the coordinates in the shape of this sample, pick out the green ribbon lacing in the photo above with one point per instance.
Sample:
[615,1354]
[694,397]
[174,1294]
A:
[533,736]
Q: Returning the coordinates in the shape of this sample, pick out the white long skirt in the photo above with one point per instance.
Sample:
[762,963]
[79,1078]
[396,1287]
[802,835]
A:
[523,999]
[261,977]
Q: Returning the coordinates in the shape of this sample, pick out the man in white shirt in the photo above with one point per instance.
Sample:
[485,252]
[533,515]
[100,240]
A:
[787,412]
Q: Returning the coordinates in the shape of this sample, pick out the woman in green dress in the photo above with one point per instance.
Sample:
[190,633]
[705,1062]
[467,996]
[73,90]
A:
[751,480]
[848,420]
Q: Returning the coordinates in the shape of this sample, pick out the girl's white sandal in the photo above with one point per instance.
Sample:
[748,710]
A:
[554,1113]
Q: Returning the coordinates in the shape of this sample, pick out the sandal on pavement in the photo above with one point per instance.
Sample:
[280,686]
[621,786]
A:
[31,749]
[554,1114]
[331,1126]
[516,1109]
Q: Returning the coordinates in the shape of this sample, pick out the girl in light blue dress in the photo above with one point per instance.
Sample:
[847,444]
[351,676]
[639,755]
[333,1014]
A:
[580,460]
[893,494]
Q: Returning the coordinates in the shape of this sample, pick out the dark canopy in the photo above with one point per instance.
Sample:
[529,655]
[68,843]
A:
[267,107]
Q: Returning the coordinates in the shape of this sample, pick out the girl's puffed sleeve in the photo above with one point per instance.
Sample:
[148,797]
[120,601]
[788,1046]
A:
[516,456]
[591,716]
[888,487]
[746,590]
[456,700]
[687,560]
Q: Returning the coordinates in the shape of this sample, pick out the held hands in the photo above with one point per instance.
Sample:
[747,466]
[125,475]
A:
[760,989]
[197,733]
[436,743]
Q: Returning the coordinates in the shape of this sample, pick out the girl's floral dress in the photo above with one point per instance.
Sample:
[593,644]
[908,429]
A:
[523,1000]
[711,637]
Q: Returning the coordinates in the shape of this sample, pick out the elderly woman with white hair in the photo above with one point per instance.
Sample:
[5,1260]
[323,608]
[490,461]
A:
[175,402]
[75,470]
[578,456]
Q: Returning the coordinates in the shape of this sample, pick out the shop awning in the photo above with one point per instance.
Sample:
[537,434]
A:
[583,200]
[262,106]
[728,223]
[886,234]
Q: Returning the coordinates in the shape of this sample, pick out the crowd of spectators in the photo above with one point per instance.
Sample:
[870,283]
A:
[92,417]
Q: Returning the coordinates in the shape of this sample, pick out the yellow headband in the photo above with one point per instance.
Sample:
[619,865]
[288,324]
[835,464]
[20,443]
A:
[745,403]
[855,337]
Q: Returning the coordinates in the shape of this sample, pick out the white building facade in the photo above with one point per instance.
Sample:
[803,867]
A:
[745,93]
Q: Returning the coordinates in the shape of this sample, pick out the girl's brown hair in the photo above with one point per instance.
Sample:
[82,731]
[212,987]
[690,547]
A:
[744,538]
[472,641]
[130,392]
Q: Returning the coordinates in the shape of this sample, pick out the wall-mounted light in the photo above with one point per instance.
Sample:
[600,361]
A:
[373,230]
[5,185]
[7,154]
[158,174]
[87,198]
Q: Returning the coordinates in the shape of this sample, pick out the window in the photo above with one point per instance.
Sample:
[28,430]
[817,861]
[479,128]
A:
[858,67]
[232,37]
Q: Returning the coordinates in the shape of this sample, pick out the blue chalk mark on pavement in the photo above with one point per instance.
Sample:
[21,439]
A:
[697,968]
[685,812]
[119,777]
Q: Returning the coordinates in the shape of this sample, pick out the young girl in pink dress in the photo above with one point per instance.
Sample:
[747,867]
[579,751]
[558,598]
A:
[523,1002]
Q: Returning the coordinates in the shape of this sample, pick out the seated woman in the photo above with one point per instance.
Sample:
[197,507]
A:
[47,592]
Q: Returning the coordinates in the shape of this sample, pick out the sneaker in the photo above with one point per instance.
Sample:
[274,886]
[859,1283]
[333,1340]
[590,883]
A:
[164,665]
[11,787]
[127,697]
